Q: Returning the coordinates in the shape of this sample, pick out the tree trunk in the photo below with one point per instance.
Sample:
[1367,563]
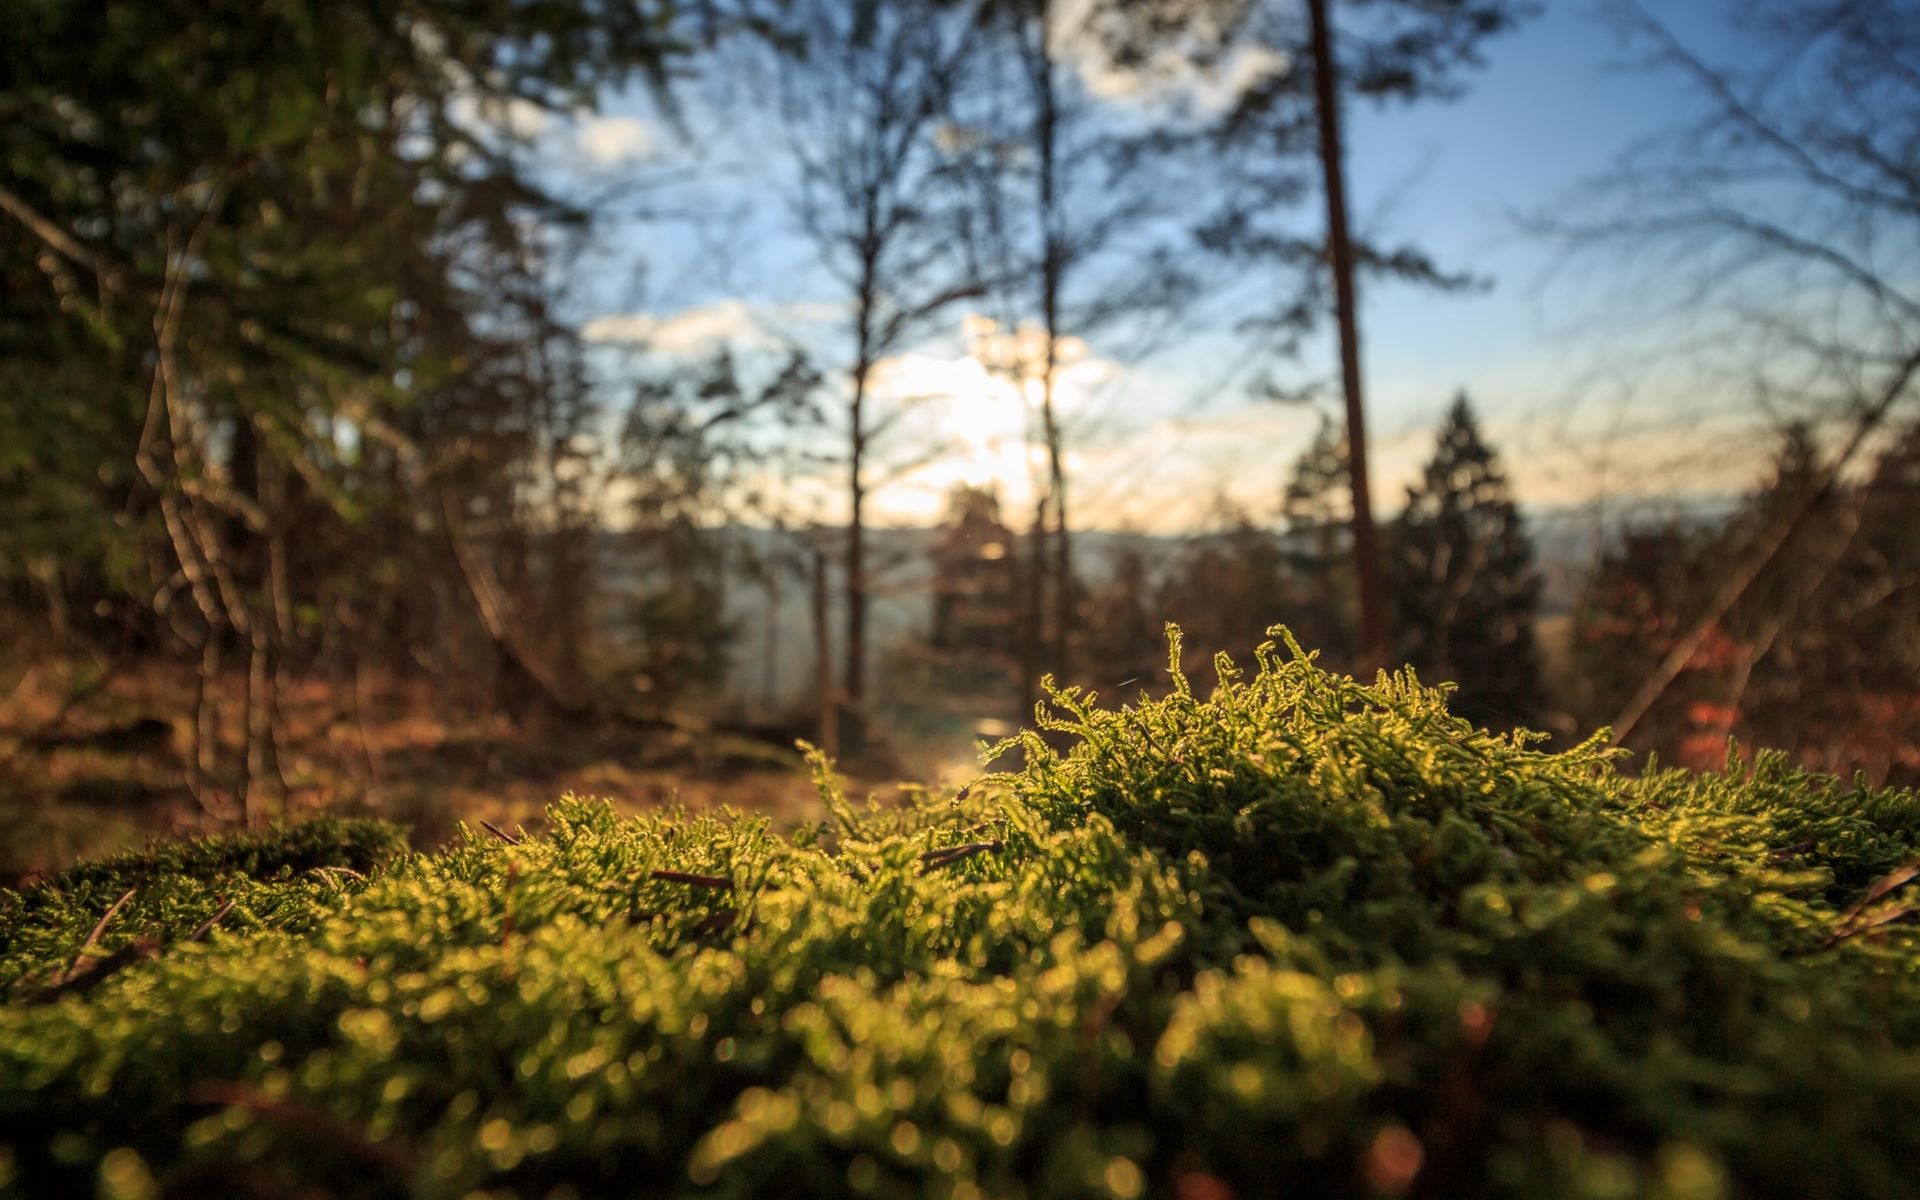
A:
[1052,268]
[1062,549]
[855,679]
[823,656]
[1032,643]
[1366,542]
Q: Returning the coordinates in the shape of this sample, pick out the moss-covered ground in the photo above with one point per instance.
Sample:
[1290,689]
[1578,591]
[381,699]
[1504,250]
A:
[1292,936]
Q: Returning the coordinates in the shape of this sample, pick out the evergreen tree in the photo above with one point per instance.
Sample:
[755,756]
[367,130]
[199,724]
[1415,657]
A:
[1462,579]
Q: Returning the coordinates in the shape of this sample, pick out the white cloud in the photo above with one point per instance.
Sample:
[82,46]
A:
[688,332]
[706,327]
[1174,81]
[610,141]
[1168,77]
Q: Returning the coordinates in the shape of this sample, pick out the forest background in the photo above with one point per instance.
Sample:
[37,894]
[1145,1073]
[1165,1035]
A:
[425,410]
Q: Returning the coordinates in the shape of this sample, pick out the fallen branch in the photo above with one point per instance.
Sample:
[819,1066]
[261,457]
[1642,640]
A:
[935,859]
[200,931]
[99,928]
[79,980]
[1857,920]
[500,833]
[718,882]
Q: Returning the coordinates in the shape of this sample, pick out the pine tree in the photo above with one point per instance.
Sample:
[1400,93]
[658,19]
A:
[1462,579]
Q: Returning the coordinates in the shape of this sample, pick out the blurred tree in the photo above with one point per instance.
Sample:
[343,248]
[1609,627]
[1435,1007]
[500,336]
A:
[697,449]
[977,611]
[1228,583]
[1820,654]
[276,283]
[1316,515]
[1633,610]
[1125,634]
[1281,134]
[1829,633]
[1779,234]
[1463,582]
[1075,223]
[865,91]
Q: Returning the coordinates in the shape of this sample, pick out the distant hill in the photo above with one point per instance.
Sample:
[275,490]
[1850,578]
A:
[772,664]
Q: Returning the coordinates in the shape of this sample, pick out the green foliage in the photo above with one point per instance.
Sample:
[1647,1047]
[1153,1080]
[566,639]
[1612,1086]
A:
[285,878]
[276,264]
[1300,936]
[1462,581]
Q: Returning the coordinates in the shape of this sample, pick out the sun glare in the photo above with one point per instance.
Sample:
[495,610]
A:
[980,411]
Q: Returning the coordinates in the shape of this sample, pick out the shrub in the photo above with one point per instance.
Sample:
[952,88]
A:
[1300,936]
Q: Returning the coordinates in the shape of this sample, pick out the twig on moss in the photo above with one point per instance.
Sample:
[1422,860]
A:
[82,980]
[1857,920]
[500,833]
[935,859]
[99,928]
[717,882]
[714,924]
[200,930]
[79,980]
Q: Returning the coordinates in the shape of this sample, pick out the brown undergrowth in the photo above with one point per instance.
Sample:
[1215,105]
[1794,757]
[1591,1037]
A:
[97,757]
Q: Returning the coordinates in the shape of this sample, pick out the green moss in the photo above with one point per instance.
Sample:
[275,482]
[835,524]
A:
[283,878]
[1298,936]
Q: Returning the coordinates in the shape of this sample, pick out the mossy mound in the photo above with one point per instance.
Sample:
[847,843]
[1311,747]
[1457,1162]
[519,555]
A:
[1298,937]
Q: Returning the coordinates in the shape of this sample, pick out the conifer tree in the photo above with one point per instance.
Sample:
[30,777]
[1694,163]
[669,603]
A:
[1462,580]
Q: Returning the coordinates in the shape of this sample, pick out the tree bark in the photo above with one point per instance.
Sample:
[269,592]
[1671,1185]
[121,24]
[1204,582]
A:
[1366,541]
[855,680]
[829,733]
[1052,269]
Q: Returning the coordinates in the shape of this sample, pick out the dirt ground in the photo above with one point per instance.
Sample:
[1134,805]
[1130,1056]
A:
[93,760]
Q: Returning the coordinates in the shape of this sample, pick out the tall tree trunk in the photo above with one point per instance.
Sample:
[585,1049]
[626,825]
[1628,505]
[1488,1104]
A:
[855,677]
[1062,564]
[1032,641]
[1052,269]
[770,652]
[823,655]
[1366,541]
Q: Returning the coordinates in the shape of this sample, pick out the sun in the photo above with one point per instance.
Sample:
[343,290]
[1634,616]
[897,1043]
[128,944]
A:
[984,422]
[975,415]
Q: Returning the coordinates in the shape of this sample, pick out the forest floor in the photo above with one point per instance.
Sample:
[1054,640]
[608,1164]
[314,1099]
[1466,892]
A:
[96,759]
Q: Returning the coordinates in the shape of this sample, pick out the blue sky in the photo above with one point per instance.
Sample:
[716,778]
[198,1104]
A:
[1552,108]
